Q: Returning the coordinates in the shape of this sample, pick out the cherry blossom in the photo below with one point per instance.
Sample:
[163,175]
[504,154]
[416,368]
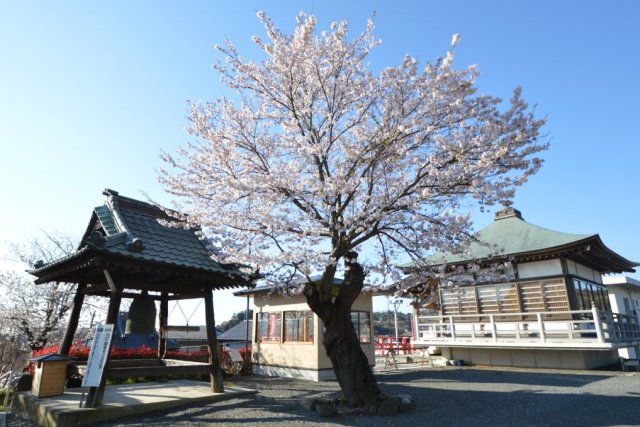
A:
[316,155]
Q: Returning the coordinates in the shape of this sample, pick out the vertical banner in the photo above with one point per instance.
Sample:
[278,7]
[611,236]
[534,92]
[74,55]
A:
[98,356]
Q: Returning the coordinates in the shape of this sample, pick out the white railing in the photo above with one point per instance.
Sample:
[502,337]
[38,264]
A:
[568,328]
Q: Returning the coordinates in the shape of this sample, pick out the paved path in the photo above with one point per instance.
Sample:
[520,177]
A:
[446,397]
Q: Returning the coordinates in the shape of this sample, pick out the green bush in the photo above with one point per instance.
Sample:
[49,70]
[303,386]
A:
[3,395]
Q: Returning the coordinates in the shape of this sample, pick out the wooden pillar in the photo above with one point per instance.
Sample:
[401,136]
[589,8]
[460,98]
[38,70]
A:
[78,300]
[162,320]
[215,373]
[94,397]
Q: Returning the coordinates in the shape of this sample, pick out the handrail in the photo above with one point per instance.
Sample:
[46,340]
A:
[514,314]
[574,325]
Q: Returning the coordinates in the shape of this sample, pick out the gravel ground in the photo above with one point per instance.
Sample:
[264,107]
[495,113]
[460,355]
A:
[468,396]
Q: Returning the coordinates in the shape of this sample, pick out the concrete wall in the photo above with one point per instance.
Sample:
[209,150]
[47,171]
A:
[529,358]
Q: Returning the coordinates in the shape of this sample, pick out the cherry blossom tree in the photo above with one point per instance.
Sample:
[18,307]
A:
[317,158]
[37,314]
[37,311]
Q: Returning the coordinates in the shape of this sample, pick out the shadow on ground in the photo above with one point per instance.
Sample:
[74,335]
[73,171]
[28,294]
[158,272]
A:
[445,397]
[549,379]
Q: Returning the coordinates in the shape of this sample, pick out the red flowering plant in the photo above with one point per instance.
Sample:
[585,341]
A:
[81,353]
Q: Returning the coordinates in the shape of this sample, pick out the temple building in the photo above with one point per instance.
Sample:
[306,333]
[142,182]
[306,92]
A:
[546,305]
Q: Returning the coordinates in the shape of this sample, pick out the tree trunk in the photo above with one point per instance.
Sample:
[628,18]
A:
[341,343]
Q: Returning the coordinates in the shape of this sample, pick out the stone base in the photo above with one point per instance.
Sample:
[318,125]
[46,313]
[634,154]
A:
[297,373]
[119,401]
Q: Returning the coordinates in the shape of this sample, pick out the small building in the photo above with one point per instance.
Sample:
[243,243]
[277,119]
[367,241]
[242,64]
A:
[189,338]
[624,296]
[236,336]
[548,307]
[287,336]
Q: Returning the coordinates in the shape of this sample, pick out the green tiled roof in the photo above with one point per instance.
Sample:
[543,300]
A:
[511,236]
[508,235]
[131,228]
[107,221]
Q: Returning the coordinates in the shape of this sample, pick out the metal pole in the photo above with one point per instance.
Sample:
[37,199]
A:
[246,340]
[396,303]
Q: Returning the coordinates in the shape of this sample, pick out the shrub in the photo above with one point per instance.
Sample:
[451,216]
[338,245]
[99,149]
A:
[81,352]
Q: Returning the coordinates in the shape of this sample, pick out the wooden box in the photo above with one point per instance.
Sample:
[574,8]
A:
[50,375]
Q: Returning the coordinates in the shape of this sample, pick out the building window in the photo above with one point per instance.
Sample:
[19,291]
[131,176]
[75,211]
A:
[501,298]
[504,299]
[362,324]
[298,326]
[268,328]
[587,293]
[460,300]
[582,298]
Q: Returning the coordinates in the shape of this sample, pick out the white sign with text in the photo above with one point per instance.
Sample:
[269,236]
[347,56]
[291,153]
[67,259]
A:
[98,356]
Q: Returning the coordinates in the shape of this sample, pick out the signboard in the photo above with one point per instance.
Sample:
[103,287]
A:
[98,356]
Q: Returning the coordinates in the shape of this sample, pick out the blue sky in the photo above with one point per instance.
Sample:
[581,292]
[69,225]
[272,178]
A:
[91,92]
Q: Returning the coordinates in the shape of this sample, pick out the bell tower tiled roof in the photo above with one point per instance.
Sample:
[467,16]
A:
[126,230]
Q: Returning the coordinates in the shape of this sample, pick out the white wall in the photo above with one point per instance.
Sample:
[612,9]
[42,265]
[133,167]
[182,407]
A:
[527,270]
[583,271]
[620,288]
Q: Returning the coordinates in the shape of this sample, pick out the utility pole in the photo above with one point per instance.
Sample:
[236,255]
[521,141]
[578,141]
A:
[246,340]
[396,303]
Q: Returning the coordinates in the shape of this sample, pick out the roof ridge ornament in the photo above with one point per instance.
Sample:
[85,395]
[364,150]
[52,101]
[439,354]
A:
[135,245]
[508,212]
[96,238]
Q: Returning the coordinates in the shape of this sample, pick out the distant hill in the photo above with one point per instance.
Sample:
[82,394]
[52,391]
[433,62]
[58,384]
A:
[236,318]
[383,323]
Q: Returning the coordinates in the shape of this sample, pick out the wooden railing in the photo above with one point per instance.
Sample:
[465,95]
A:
[560,328]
